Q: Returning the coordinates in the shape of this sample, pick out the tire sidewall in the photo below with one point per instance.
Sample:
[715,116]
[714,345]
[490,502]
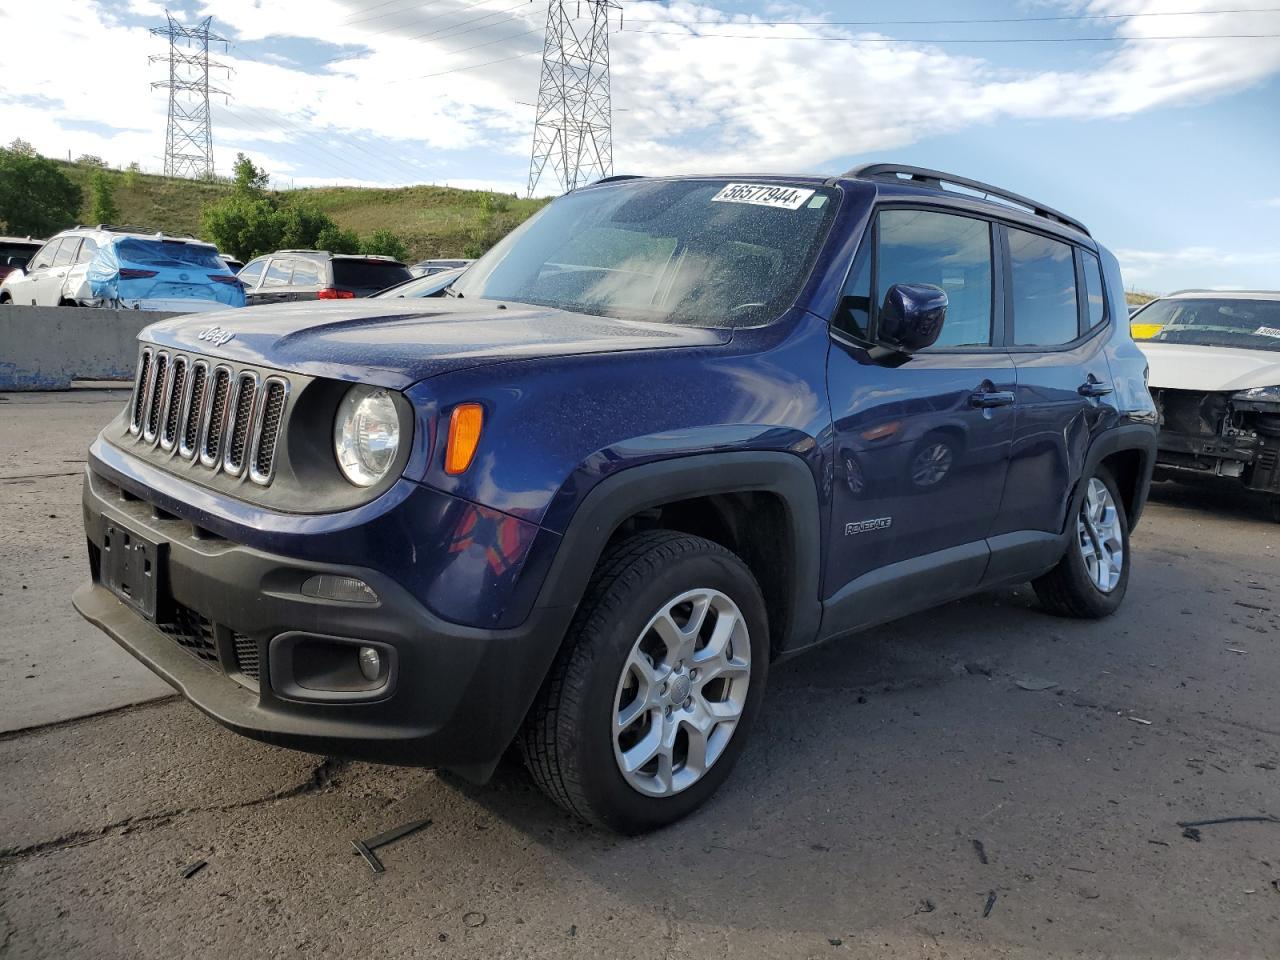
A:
[611,798]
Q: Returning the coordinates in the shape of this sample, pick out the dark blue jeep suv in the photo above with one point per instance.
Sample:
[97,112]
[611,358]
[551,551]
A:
[667,432]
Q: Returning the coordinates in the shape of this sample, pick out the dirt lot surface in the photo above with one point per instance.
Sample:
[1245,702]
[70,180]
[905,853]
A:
[904,795]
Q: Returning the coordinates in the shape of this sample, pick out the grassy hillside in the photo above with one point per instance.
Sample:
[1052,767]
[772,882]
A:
[433,221]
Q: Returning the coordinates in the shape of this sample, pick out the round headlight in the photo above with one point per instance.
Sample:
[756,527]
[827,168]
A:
[366,435]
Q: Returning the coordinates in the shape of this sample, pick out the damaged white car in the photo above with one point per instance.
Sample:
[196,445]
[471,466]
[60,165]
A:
[1215,378]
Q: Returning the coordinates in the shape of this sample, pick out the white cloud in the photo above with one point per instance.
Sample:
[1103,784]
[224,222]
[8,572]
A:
[1198,266]
[683,104]
[1273,202]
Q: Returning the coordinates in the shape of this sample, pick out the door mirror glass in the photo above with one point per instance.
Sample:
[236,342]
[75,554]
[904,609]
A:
[912,316]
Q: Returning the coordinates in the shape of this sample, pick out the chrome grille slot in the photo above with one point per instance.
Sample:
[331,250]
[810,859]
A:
[266,430]
[139,402]
[155,396]
[210,413]
[240,422]
[193,404]
[215,417]
[173,403]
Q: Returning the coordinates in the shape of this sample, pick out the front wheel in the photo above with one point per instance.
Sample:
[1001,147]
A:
[648,703]
[1090,580]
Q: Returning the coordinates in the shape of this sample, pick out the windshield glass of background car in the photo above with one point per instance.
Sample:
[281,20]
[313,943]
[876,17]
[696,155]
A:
[695,252]
[1212,322]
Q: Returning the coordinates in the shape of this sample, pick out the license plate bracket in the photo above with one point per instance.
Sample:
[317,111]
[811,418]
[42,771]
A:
[132,567]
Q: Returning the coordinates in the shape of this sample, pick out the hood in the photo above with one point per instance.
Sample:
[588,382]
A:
[394,343]
[1180,366]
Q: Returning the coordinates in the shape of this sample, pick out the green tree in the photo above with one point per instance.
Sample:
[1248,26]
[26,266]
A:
[102,200]
[22,147]
[36,198]
[301,225]
[131,174]
[336,240]
[90,160]
[384,243]
[243,226]
[248,177]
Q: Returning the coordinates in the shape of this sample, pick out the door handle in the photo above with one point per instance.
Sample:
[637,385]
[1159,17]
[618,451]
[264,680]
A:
[984,399]
[1093,387]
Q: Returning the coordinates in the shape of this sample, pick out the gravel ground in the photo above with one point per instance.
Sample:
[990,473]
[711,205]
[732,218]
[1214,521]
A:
[902,796]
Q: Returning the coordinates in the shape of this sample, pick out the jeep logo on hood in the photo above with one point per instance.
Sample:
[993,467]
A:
[215,335]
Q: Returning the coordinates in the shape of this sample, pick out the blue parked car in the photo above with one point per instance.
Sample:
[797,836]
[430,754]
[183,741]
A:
[665,433]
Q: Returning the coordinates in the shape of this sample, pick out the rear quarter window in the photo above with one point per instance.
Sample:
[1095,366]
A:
[1044,290]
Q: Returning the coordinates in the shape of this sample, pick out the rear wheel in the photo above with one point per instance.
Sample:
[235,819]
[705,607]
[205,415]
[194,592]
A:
[648,703]
[1091,578]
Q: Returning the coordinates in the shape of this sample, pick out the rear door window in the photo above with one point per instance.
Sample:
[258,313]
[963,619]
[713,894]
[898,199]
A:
[368,274]
[278,273]
[948,251]
[66,251]
[1043,282]
[88,247]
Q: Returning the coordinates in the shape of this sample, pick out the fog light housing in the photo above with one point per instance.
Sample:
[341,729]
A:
[370,663]
[329,586]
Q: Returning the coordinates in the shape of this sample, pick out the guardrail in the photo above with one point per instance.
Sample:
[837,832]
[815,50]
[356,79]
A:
[45,348]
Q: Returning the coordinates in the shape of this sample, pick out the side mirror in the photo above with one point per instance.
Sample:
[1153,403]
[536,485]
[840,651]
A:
[912,316]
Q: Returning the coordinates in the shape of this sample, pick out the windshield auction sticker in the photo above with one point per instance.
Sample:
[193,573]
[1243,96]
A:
[762,195]
[1267,332]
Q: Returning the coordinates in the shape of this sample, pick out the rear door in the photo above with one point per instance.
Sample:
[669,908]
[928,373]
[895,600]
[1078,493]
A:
[274,287]
[921,449]
[1057,313]
[308,278]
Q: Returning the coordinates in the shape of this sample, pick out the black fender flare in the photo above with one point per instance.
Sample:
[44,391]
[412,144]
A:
[634,489]
[1139,437]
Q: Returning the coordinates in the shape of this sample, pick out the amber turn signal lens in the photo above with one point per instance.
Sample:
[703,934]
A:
[464,437]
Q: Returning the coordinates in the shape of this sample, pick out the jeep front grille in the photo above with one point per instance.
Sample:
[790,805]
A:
[224,418]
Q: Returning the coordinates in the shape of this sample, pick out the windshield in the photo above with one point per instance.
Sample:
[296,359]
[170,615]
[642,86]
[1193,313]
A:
[1214,322]
[9,248]
[169,253]
[709,253]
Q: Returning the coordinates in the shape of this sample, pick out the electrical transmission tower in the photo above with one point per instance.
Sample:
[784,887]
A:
[573,132]
[188,144]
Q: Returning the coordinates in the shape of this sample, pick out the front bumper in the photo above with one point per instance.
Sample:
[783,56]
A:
[1251,458]
[226,615]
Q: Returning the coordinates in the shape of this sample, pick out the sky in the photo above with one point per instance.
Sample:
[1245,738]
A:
[1156,122]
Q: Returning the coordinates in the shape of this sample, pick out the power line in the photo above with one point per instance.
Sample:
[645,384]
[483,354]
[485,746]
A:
[924,41]
[957,21]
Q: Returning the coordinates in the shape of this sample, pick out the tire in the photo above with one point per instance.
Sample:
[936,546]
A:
[614,661]
[1071,589]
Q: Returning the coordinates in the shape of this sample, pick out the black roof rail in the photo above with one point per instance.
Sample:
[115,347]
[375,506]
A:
[618,176]
[936,179]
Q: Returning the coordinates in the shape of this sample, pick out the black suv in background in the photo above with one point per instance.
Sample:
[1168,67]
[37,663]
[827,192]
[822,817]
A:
[288,275]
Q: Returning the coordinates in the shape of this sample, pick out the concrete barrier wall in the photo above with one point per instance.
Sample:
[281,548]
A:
[45,348]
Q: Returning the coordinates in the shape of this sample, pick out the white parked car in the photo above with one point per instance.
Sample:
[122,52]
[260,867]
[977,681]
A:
[119,267]
[1215,377]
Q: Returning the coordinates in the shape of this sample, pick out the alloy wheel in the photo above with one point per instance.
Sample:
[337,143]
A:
[682,692]
[1100,537]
